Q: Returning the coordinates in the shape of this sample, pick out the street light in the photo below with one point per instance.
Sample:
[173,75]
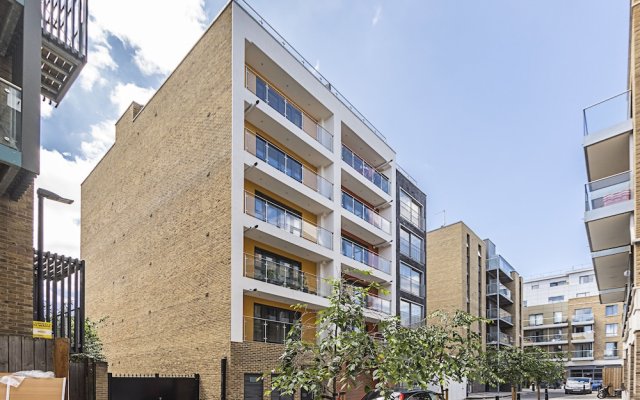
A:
[39,289]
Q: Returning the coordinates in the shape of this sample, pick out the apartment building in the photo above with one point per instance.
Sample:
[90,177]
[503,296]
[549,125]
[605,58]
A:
[243,187]
[563,315]
[42,51]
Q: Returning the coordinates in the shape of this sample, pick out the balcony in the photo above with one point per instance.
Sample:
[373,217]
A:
[365,256]
[581,355]
[270,331]
[610,266]
[285,229]
[412,215]
[582,337]
[363,222]
[495,313]
[274,273]
[64,45]
[499,265]
[371,301]
[278,101]
[499,337]
[539,340]
[544,323]
[583,319]
[363,179]
[10,123]
[494,289]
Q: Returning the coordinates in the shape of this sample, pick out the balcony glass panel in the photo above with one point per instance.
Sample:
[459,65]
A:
[607,191]
[501,337]
[582,354]
[286,220]
[607,113]
[10,118]
[364,212]
[494,288]
[582,318]
[365,256]
[364,169]
[557,337]
[494,313]
[279,102]
[499,263]
[272,155]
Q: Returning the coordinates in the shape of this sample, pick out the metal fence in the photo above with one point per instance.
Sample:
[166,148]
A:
[154,387]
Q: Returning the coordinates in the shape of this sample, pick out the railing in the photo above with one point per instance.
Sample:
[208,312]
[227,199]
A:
[276,215]
[372,301]
[500,337]
[493,288]
[411,215]
[270,331]
[412,251]
[64,22]
[607,191]
[307,65]
[607,113]
[557,337]
[582,354]
[281,161]
[544,321]
[261,269]
[495,313]
[365,169]
[498,262]
[611,353]
[10,110]
[281,103]
[582,318]
[365,213]
[359,253]
[582,335]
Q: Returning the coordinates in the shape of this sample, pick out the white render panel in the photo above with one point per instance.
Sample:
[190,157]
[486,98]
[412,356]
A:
[540,296]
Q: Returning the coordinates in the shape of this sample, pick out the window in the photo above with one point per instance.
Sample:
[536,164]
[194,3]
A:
[410,313]
[535,319]
[582,294]
[556,299]
[272,324]
[411,246]
[557,283]
[278,270]
[535,287]
[275,393]
[611,310]
[524,303]
[611,330]
[611,349]
[586,279]
[253,387]
[557,317]
[305,395]
[275,213]
[410,280]
[410,209]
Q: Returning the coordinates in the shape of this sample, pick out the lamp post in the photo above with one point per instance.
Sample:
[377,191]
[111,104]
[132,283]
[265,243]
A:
[39,289]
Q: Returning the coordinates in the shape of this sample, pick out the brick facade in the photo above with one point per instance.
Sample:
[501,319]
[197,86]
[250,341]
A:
[102,381]
[16,265]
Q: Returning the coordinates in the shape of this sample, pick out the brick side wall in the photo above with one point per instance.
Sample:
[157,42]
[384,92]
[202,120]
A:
[102,381]
[156,216]
[251,358]
[16,265]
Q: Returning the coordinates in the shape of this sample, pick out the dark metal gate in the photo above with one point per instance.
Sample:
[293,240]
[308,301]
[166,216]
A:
[154,387]
[58,293]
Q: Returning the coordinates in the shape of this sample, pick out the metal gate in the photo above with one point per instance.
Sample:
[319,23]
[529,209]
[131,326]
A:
[154,387]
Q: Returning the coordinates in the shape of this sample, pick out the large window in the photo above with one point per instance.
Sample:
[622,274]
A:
[535,319]
[611,310]
[278,270]
[410,209]
[410,280]
[277,214]
[557,283]
[586,279]
[611,330]
[272,324]
[410,313]
[278,159]
[556,299]
[557,317]
[611,349]
[411,246]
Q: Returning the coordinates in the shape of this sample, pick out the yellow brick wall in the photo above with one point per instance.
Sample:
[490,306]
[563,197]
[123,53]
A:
[156,215]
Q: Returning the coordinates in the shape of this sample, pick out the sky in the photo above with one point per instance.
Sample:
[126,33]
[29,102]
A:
[482,101]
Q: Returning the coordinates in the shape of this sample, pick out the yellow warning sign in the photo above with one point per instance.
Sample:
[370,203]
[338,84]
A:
[42,330]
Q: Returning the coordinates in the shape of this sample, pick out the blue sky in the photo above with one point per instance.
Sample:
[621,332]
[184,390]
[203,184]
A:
[482,100]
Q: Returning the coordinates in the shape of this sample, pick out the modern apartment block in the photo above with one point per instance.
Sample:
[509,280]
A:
[42,50]
[411,253]
[243,187]
[465,273]
[563,315]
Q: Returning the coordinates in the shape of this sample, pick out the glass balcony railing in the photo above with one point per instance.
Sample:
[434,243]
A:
[557,337]
[607,113]
[499,263]
[582,318]
[412,215]
[364,212]
[503,338]
[582,354]
[607,191]
[365,169]
[273,214]
[611,353]
[373,302]
[281,161]
[493,288]
[582,335]
[10,118]
[361,254]
[282,104]
[272,331]
[262,269]
[494,313]
[538,321]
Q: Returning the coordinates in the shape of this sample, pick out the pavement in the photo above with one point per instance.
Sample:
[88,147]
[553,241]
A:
[527,394]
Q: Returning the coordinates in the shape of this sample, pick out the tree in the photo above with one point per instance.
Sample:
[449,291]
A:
[342,350]
[92,343]
[544,367]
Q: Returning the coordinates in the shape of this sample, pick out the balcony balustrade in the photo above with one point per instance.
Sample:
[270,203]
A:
[361,254]
[607,191]
[366,213]
[365,169]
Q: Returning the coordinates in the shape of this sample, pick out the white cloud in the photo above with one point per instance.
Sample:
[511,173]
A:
[99,58]
[124,93]
[160,32]
[46,110]
[377,16]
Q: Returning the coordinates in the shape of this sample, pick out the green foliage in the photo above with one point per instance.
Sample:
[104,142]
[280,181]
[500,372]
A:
[517,367]
[92,343]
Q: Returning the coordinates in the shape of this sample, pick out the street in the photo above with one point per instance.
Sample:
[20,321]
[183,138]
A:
[530,395]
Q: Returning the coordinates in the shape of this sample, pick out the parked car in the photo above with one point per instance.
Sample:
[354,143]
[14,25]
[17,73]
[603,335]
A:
[596,384]
[578,385]
[405,394]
